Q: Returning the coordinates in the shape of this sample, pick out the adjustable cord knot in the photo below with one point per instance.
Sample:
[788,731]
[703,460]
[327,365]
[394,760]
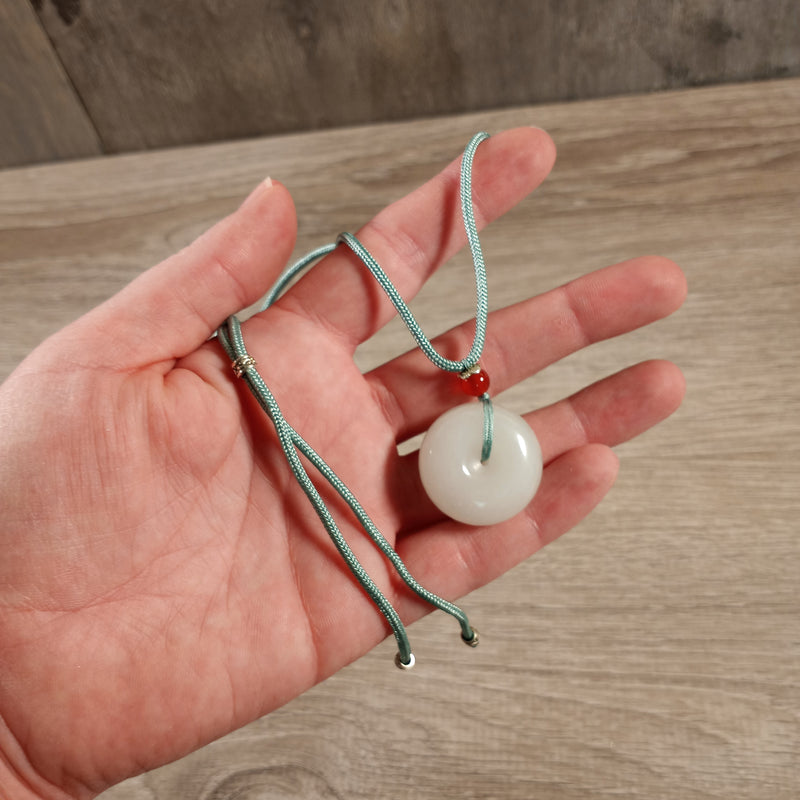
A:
[241,364]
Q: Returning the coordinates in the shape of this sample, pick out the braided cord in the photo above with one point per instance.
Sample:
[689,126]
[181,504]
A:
[488,427]
[286,276]
[481,290]
[231,339]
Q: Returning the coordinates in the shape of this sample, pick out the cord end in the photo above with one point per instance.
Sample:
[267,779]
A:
[473,641]
[400,664]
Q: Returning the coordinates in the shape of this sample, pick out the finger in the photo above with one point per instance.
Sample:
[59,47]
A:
[414,235]
[453,559]
[524,338]
[170,310]
[609,412]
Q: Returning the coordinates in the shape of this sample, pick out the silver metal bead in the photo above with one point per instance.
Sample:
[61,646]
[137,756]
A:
[242,364]
[400,665]
[474,641]
[465,373]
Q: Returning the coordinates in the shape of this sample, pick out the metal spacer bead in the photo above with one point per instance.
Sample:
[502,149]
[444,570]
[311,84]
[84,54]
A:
[242,364]
[400,665]
[473,642]
[465,373]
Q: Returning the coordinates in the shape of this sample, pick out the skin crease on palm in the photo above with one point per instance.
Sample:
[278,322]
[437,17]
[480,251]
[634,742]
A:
[163,578]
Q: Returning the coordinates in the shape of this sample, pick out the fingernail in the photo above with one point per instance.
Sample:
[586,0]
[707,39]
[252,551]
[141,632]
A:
[263,187]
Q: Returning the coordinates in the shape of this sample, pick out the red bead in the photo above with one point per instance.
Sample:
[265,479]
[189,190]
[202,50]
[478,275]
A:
[475,384]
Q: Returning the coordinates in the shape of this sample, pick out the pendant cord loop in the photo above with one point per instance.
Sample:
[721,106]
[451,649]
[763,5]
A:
[488,427]
[292,444]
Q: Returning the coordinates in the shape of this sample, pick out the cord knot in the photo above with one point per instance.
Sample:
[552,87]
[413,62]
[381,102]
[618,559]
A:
[241,364]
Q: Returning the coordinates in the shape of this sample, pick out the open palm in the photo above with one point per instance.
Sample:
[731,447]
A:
[163,578]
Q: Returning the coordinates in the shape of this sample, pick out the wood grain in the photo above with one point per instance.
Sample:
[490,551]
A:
[41,117]
[653,652]
[155,74]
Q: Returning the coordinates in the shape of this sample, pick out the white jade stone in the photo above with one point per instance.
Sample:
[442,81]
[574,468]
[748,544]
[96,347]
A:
[471,492]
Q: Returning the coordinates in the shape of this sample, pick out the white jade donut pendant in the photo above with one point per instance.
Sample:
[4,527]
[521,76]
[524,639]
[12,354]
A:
[463,488]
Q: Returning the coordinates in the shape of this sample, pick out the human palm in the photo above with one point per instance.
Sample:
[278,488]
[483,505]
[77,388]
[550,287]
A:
[164,579]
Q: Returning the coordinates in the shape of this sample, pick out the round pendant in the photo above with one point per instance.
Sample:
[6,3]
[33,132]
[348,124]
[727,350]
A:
[467,490]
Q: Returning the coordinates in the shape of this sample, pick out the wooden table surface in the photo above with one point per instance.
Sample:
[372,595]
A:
[654,652]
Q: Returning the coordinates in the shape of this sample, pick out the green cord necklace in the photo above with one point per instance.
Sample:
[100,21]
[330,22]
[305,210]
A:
[476,485]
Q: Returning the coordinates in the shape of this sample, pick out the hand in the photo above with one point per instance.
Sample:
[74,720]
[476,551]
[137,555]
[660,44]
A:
[163,578]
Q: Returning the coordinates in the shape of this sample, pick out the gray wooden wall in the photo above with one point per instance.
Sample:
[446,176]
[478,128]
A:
[86,77]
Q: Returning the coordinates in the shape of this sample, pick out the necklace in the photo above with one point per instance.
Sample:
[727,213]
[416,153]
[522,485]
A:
[480,464]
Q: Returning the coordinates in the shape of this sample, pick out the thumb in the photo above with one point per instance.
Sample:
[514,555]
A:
[171,309]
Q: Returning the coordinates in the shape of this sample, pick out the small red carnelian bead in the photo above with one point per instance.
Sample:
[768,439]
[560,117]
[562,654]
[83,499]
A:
[475,384]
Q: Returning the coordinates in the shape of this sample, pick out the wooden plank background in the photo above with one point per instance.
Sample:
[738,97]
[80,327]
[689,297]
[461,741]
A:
[41,115]
[156,74]
[654,652]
